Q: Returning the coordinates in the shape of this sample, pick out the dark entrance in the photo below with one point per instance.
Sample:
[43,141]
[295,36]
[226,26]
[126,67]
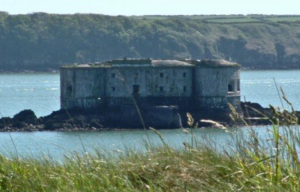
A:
[230,88]
[69,90]
[136,90]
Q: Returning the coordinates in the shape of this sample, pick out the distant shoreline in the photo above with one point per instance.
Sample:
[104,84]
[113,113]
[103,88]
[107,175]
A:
[29,71]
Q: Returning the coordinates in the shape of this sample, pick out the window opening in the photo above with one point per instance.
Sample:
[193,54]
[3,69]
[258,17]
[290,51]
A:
[230,87]
[113,89]
[136,89]
[113,75]
[184,74]
[161,75]
[184,88]
[69,90]
[238,85]
[161,88]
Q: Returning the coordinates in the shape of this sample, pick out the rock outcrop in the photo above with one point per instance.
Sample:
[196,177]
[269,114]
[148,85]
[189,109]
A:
[160,117]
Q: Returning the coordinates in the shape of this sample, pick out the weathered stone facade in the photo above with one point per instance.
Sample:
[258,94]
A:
[204,85]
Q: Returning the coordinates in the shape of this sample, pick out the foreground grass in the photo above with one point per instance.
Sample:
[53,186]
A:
[197,168]
[252,164]
[162,170]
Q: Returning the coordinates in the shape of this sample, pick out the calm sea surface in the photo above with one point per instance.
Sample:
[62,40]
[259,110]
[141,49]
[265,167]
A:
[40,92]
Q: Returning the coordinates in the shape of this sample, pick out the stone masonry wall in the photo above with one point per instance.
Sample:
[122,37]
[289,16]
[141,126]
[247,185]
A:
[82,87]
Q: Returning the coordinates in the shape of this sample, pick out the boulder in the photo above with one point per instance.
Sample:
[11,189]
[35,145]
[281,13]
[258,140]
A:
[26,116]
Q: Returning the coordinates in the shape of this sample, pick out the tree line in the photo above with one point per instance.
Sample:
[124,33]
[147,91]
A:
[42,41]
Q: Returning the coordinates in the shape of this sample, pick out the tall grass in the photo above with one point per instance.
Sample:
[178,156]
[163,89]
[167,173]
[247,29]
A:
[252,164]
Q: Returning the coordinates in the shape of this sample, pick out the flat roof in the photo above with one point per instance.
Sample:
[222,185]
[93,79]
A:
[157,63]
[215,63]
[134,63]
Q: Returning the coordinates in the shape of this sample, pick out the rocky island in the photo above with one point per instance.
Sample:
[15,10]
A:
[77,120]
[143,93]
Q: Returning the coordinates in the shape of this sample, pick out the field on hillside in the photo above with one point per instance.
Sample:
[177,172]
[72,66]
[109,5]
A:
[229,18]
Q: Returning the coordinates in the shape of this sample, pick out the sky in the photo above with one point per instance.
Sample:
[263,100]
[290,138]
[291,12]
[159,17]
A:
[152,7]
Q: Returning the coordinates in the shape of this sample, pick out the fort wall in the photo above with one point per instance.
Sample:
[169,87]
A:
[216,87]
[149,81]
[82,87]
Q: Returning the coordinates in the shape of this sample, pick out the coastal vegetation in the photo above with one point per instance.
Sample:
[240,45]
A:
[41,41]
[250,163]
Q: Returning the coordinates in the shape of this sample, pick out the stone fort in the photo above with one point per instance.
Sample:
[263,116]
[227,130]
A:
[189,85]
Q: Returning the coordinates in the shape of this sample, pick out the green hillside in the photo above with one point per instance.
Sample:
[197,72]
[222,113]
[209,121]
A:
[41,41]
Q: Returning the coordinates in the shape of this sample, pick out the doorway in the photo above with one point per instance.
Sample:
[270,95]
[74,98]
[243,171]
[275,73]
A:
[136,90]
